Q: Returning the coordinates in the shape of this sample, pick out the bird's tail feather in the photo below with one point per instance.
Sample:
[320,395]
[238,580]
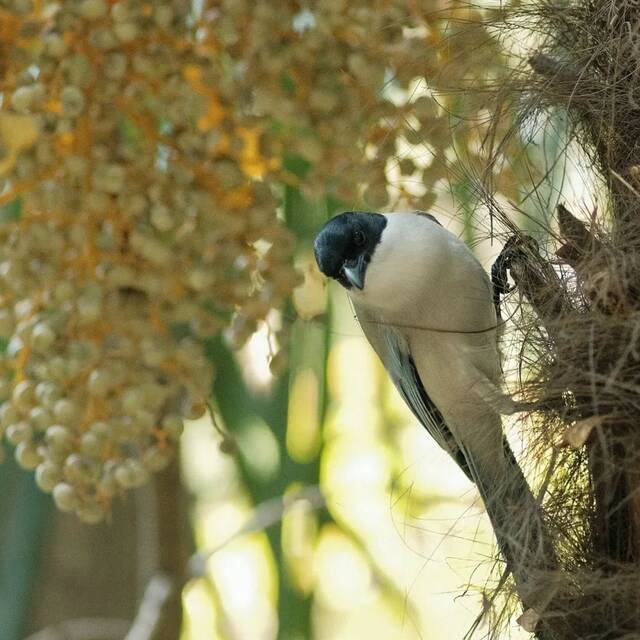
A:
[520,531]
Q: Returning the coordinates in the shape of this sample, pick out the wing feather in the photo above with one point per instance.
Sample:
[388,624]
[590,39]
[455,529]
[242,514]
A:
[395,354]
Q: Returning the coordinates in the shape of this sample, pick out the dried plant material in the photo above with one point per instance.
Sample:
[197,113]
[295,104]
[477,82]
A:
[577,324]
[607,290]
[529,620]
[577,434]
[577,239]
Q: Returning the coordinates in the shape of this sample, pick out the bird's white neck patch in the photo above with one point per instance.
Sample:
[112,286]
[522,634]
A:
[408,255]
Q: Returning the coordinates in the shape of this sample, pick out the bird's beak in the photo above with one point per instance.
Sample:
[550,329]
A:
[354,271]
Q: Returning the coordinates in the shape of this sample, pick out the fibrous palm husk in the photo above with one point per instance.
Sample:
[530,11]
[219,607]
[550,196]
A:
[578,325]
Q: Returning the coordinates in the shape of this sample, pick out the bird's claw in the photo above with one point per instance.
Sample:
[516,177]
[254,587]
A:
[514,248]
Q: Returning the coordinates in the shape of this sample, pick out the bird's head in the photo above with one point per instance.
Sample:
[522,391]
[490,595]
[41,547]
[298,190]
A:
[388,262]
[345,246]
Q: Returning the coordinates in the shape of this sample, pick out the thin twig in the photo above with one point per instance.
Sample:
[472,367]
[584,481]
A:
[150,612]
[264,515]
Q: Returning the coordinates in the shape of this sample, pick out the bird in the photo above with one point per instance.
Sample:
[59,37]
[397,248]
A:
[426,306]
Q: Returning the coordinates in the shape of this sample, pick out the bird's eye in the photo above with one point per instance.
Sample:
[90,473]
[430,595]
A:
[359,238]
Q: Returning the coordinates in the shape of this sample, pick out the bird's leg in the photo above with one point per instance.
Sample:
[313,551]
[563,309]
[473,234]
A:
[499,280]
[499,270]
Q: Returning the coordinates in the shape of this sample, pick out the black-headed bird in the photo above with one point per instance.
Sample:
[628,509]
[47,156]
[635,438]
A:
[426,305]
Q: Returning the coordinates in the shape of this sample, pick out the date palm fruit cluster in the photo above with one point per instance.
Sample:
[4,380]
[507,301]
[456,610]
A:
[129,234]
[355,88]
[141,145]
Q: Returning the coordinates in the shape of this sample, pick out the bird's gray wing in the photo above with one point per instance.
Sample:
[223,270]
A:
[424,214]
[396,357]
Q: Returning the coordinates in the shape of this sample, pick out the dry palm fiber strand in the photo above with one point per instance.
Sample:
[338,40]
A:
[579,326]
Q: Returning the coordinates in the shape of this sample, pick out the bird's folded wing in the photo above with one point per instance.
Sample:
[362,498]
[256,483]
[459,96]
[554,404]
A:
[394,352]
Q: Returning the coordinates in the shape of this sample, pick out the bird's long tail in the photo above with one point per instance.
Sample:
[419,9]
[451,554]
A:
[520,531]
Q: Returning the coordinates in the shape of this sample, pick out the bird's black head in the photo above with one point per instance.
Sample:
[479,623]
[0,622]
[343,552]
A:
[345,245]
